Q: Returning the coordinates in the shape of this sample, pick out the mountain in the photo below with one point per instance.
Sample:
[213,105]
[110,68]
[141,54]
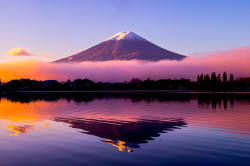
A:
[123,46]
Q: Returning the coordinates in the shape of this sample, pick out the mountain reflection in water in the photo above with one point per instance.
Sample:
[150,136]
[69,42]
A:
[95,128]
[125,135]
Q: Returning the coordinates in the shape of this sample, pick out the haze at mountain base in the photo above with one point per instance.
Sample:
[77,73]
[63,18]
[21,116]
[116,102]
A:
[234,61]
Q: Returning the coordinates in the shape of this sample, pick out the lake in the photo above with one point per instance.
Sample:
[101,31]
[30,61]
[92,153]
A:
[124,129]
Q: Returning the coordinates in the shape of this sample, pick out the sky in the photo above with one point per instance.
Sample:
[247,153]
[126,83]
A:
[53,29]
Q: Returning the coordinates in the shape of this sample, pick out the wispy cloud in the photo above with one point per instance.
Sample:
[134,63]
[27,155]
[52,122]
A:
[45,55]
[19,52]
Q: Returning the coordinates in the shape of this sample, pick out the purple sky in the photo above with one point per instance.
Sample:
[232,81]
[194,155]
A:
[61,28]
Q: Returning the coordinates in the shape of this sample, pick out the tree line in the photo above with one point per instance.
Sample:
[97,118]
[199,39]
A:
[210,82]
[215,82]
[221,82]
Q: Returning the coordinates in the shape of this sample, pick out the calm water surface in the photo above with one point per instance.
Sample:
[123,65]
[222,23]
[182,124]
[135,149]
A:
[173,130]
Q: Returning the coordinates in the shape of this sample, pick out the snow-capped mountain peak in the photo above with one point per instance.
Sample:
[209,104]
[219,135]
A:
[123,46]
[126,36]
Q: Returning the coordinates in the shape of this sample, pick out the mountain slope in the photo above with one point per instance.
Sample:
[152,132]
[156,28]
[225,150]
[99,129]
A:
[123,46]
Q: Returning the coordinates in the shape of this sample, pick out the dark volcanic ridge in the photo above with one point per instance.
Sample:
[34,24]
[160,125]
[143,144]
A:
[123,46]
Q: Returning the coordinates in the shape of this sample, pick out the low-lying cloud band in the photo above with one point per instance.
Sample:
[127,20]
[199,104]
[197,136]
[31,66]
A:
[233,61]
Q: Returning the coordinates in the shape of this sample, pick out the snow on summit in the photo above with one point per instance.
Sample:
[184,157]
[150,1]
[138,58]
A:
[126,36]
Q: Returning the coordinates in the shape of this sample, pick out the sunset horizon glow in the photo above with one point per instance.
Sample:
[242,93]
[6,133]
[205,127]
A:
[234,61]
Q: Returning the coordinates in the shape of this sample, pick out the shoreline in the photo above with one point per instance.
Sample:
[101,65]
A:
[133,92]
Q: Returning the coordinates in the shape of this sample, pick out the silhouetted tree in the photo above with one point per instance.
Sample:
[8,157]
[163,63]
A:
[218,80]
[224,77]
[224,80]
[231,77]
[213,81]
[206,81]
[200,81]
[231,82]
